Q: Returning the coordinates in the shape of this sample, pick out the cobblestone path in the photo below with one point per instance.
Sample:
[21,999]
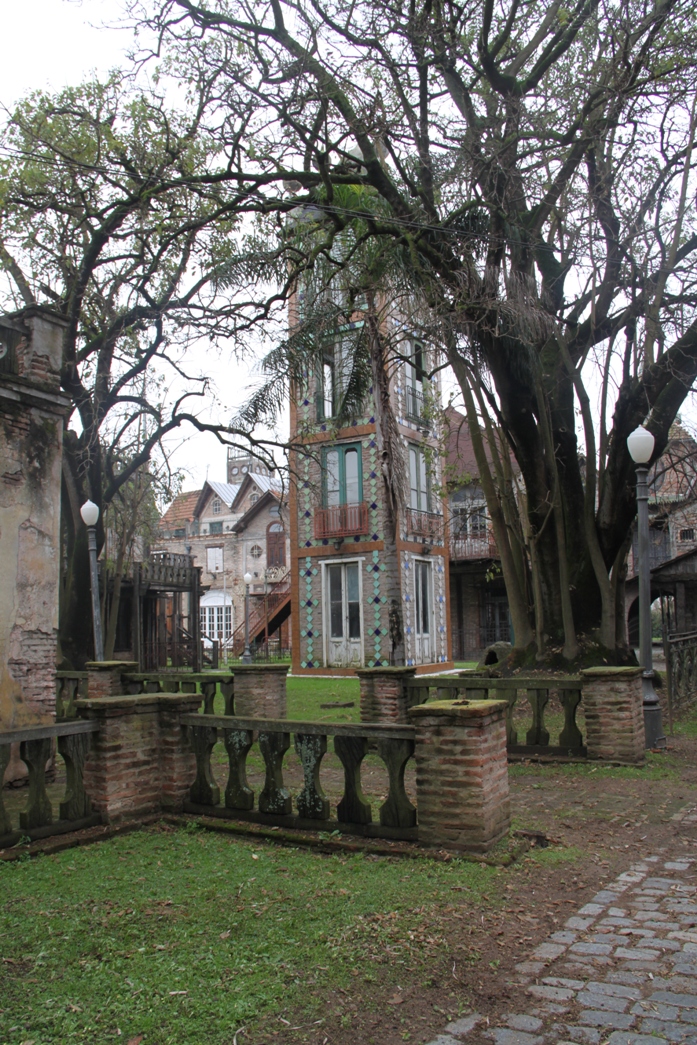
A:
[622,971]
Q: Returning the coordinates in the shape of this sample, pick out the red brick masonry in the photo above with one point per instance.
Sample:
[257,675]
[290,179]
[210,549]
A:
[384,694]
[613,706]
[260,690]
[141,760]
[461,773]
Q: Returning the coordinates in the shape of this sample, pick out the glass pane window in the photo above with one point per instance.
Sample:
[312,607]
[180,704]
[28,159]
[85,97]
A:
[336,615]
[352,597]
[214,560]
[418,480]
[343,482]
[216,506]
[351,470]
[332,478]
[422,577]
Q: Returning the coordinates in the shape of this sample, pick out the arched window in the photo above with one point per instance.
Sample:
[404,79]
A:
[275,545]
[216,506]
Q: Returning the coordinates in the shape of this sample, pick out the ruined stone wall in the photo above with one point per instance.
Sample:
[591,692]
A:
[32,413]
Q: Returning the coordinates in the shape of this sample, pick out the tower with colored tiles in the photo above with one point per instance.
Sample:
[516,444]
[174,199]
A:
[369,581]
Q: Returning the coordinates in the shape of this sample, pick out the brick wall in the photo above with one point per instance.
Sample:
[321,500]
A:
[260,690]
[461,773]
[384,694]
[140,761]
[613,706]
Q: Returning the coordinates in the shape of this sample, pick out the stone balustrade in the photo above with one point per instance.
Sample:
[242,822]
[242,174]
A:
[275,804]
[130,754]
[611,700]
[206,683]
[36,746]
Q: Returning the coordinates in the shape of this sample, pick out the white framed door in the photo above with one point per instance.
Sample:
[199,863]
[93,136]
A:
[423,609]
[343,615]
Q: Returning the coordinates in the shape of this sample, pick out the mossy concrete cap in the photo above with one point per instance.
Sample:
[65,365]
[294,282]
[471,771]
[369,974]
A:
[610,671]
[240,669]
[458,708]
[111,665]
[390,670]
[138,700]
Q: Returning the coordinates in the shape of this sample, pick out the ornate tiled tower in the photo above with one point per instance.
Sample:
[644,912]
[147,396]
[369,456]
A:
[367,592]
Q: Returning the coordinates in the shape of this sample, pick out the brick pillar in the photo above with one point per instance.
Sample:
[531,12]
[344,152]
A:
[461,773]
[260,690]
[140,760]
[104,677]
[384,694]
[612,702]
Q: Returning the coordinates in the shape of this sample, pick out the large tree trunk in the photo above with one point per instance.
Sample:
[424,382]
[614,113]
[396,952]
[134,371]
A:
[393,480]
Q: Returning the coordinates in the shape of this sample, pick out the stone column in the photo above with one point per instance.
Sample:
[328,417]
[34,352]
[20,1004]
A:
[140,761]
[104,677]
[384,694]
[612,702]
[32,414]
[260,690]
[461,773]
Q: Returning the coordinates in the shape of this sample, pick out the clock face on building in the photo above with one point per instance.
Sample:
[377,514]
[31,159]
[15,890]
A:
[235,471]
[244,469]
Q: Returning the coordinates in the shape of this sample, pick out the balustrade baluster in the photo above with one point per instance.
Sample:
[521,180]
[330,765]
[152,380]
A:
[227,688]
[511,697]
[208,689]
[35,754]
[5,822]
[537,734]
[187,687]
[204,789]
[570,736]
[312,801]
[396,810]
[74,750]
[275,798]
[353,807]
[238,794]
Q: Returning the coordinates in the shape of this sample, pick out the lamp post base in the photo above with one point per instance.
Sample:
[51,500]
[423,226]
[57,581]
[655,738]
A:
[653,716]
[246,657]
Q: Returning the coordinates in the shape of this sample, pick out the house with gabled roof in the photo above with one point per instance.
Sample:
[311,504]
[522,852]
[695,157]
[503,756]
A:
[230,529]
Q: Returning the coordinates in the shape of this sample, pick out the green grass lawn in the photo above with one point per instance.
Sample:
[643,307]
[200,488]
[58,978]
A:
[184,936]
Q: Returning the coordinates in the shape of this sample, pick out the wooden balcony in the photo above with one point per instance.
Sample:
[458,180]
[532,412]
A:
[425,526]
[341,520]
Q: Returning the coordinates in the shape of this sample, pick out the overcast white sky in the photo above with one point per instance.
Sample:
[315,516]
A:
[50,44]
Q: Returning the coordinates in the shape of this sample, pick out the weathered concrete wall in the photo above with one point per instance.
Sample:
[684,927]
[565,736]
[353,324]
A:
[32,413]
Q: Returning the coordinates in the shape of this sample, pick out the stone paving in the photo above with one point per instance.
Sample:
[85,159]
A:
[622,971]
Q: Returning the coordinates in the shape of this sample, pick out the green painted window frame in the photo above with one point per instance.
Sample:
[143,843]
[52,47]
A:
[420,453]
[342,448]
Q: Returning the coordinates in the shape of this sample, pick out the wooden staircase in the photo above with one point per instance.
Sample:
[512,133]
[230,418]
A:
[268,611]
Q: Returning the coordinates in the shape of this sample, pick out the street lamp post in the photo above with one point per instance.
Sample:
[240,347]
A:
[640,444]
[90,516]
[247,655]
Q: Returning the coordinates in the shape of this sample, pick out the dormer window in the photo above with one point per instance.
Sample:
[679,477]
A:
[254,498]
[216,506]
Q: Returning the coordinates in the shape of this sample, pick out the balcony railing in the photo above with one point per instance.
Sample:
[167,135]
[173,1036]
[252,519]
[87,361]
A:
[424,525]
[415,406]
[341,520]
[483,547]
